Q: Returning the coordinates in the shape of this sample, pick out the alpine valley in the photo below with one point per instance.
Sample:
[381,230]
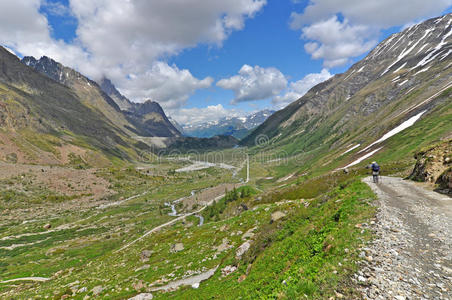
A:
[103,197]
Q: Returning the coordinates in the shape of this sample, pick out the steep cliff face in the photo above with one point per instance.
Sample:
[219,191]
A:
[149,117]
[404,75]
[108,87]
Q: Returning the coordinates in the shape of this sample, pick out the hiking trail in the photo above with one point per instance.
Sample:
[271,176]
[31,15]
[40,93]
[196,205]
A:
[411,257]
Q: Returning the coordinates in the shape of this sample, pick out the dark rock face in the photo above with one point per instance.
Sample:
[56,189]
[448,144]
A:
[188,144]
[107,86]
[47,66]
[444,182]
[147,107]
[148,117]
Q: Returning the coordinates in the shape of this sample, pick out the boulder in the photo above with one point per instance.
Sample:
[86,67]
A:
[228,270]
[277,215]
[145,254]
[97,290]
[143,267]
[225,245]
[242,249]
[195,285]
[177,247]
[249,234]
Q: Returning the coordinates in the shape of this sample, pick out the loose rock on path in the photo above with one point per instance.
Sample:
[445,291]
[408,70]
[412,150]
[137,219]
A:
[411,258]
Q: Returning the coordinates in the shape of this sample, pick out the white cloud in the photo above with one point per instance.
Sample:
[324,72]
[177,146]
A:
[135,32]
[128,40]
[27,32]
[166,84]
[254,83]
[56,8]
[381,13]
[298,88]
[337,41]
[193,116]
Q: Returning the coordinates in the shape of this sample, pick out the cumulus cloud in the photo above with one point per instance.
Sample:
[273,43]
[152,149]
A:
[27,32]
[382,13]
[193,116]
[254,83]
[337,41]
[298,88]
[167,84]
[127,40]
[130,32]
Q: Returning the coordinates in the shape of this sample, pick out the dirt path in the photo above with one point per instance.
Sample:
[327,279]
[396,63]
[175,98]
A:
[411,258]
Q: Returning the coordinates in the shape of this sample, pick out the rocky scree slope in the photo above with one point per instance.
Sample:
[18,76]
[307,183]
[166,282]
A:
[406,74]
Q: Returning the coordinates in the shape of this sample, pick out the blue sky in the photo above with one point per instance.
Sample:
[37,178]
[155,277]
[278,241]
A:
[205,60]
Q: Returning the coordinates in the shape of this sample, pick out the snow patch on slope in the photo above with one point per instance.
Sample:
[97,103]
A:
[362,158]
[408,123]
[351,149]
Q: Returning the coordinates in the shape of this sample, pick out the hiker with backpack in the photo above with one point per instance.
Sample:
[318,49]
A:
[375,171]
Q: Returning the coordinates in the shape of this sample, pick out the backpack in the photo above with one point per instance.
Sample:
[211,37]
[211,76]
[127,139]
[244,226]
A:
[375,167]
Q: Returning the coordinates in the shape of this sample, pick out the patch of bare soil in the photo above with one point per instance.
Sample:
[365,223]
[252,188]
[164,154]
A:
[68,149]
[60,180]
[14,149]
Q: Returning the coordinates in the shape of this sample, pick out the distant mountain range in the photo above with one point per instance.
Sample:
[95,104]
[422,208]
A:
[238,127]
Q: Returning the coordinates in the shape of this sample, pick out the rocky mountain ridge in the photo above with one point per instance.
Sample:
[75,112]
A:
[144,119]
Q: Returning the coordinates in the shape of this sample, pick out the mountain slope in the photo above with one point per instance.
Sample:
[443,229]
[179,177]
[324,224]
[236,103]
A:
[177,125]
[148,117]
[108,87]
[40,118]
[107,100]
[238,127]
[408,73]
[87,90]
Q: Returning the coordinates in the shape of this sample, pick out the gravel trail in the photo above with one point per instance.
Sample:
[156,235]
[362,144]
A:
[411,258]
